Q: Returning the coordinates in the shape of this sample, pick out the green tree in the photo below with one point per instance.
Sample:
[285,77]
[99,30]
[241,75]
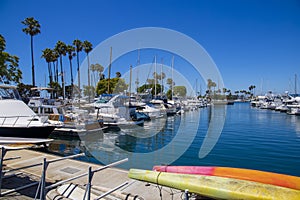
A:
[61,49]
[9,65]
[150,87]
[89,91]
[32,28]
[116,85]
[24,90]
[180,91]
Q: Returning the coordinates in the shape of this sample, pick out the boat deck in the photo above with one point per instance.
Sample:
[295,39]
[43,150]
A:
[61,170]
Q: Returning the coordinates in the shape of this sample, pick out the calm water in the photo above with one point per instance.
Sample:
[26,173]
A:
[250,138]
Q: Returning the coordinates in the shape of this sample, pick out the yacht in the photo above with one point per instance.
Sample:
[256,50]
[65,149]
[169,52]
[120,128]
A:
[149,110]
[17,119]
[113,111]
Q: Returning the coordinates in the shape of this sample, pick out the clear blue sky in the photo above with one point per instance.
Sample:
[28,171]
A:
[251,41]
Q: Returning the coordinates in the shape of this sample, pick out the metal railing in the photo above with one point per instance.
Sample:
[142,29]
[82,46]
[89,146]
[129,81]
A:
[13,120]
[42,188]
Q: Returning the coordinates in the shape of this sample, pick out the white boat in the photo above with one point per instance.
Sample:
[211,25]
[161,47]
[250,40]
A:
[114,112]
[150,110]
[293,109]
[17,119]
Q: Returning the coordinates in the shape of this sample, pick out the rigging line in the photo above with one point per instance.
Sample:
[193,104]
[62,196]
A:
[158,186]
[150,70]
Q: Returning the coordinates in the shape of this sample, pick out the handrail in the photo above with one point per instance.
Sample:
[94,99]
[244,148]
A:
[112,190]
[85,174]
[30,119]
[33,165]
[38,164]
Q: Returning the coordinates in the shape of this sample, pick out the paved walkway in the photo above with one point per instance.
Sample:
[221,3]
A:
[61,170]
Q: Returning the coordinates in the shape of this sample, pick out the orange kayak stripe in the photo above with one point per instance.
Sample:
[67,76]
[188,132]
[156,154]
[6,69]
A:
[282,180]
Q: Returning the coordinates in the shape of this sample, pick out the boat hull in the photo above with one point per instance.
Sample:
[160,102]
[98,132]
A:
[216,187]
[27,132]
[282,180]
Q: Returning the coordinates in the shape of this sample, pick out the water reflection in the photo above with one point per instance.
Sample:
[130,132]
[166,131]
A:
[251,138]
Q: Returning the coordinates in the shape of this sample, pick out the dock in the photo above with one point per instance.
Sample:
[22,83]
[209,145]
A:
[102,181]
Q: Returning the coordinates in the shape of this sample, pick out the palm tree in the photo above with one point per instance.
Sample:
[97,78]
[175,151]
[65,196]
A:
[88,47]
[61,48]
[33,28]
[93,69]
[47,55]
[54,61]
[100,69]
[118,74]
[78,47]
[71,53]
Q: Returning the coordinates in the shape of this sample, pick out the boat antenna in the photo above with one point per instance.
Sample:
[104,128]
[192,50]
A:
[172,78]
[109,68]
[295,84]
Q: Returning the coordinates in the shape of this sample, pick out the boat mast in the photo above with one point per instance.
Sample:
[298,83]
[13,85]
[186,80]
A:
[109,68]
[161,76]
[172,78]
[295,84]
[155,77]
[137,77]
[130,78]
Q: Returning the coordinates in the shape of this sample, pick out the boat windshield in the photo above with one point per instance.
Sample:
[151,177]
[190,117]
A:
[9,93]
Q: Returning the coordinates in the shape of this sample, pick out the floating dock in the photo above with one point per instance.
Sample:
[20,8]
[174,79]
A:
[102,181]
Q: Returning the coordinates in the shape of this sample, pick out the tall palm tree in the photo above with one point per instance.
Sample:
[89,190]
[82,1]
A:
[47,55]
[71,53]
[61,48]
[93,69]
[54,60]
[99,69]
[78,47]
[33,28]
[88,47]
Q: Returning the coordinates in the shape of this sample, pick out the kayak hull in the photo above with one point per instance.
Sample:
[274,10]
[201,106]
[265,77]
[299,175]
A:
[216,187]
[282,180]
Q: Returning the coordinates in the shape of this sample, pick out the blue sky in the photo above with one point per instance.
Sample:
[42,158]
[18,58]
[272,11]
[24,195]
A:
[252,42]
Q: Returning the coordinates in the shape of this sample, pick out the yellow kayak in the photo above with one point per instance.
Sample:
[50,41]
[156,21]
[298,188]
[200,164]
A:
[216,187]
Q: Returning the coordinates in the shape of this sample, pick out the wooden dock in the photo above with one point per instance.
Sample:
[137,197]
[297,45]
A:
[102,181]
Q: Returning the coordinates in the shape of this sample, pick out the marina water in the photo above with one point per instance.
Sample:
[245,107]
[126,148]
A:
[250,138]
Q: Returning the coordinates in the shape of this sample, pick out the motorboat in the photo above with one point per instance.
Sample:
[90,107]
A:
[149,110]
[113,111]
[17,119]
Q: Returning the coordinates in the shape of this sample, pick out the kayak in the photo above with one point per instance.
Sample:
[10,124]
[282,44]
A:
[216,187]
[282,180]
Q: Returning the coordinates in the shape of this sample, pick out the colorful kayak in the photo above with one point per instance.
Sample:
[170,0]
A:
[216,187]
[282,180]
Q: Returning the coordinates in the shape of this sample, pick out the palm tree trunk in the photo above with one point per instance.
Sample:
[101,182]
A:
[50,73]
[78,74]
[56,71]
[32,60]
[71,70]
[89,81]
[62,77]
[72,80]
